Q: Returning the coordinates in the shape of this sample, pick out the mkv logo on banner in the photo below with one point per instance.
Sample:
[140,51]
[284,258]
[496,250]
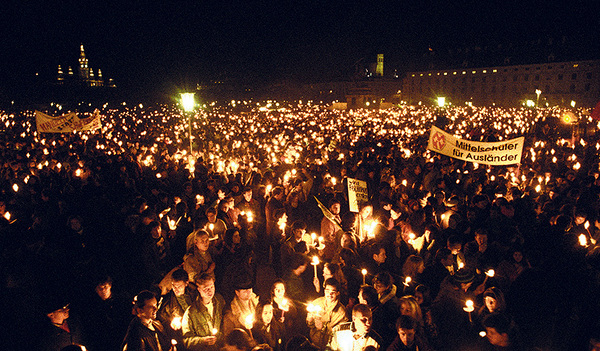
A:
[358,194]
[496,153]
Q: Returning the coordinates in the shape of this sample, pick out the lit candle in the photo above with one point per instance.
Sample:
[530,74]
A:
[315,263]
[583,240]
[469,307]
[176,323]
[490,273]
[249,321]
[7,215]
[214,331]
[364,274]
[407,281]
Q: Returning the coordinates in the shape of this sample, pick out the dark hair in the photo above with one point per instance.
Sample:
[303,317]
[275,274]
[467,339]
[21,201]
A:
[384,278]
[369,294]
[277,191]
[333,201]
[203,277]
[406,322]
[298,225]
[334,283]
[362,309]
[240,339]
[180,275]
[376,249]
[139,301]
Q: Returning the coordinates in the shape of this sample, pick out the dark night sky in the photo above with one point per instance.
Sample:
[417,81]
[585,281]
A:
[173,42]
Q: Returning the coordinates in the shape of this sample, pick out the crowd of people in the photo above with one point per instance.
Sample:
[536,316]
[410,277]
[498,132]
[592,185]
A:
[123,239]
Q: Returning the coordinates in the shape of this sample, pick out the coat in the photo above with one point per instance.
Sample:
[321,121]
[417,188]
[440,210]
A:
[197,322]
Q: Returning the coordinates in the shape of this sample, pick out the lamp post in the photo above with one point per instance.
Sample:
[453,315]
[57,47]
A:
[188,103]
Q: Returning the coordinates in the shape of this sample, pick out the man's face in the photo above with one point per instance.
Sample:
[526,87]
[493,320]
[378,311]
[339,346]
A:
[207,290]
[495,338]
[179,287]
[104,290]
[149,310]
[491,303]
[405,309]
[335,209]
[298,234]
[212,217]
[481,239]
[202,243]
[59,315]
[331,294]
[244,294]
[379,287]
[362,323]
[407,336]
[248,195]
[380,257]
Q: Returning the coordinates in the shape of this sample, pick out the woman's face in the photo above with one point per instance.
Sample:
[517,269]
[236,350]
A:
[419,297]
[267,314]
[518,256]
[491,303]
[405,309]
[279,291]
[345,241]
[236,239]
[326,273]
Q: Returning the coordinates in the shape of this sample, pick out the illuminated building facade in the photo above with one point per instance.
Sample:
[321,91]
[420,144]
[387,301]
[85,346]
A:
[86,76]
[556,83]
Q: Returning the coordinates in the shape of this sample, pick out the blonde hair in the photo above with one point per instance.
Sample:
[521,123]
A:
[414,308]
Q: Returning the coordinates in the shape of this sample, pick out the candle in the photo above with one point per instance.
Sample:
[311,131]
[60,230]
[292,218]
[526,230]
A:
[490,273]
[214,331]
[583,240]
[249,321]
[315,262]
[364,274]
[407,281]
[469,307]
[7,215]
[313,236]
[176,323]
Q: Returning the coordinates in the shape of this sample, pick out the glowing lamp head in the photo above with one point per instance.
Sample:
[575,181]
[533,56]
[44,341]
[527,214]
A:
[441,101]
[187,101]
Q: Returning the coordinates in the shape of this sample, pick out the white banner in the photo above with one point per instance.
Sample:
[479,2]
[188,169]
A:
[358,194]
[495,153]
[66,123]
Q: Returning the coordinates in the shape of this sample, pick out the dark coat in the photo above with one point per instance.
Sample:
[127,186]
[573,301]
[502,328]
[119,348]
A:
[141,338]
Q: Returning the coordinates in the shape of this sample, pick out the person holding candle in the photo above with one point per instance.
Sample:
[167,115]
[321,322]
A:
[384,317]
[145,332]
[202,321]
[289,247]
[198,260]
[360,335]
[296,288]
[386,290]
[284,308]
[329,313]
[242,306]
[267,329]
[493,302]
[329,229]
[175,303]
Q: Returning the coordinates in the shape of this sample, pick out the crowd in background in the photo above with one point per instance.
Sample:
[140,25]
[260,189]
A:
[120,238]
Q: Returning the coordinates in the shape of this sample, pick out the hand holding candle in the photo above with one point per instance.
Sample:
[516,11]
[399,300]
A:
[176,323]
[469,307]
[315,263]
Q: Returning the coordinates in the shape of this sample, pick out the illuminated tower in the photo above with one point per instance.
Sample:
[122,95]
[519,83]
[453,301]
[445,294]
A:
[100,80]
[61,75]
[84,70]
[379,69]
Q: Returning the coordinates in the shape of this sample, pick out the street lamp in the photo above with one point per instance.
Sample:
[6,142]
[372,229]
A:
[573,103]
[537,101]
[441,101]
[188,103]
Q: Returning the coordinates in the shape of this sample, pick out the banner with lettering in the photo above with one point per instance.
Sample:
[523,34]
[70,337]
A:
[499,153]
[358,194]
[66,123]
